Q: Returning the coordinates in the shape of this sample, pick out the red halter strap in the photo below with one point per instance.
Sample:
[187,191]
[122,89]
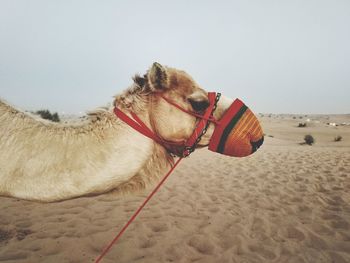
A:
[137,124]
[211,118]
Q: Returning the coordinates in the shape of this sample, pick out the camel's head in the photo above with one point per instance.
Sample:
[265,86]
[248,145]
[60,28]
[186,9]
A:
[238,136]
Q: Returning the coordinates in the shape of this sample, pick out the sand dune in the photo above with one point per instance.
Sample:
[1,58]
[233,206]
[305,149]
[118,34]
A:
[286,203]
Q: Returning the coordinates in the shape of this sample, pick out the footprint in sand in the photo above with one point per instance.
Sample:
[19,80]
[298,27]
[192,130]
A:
[7,234]
[336,257]
[265,253]
[174,254]
[13,256]
[161,227]
[294,233]
[330,201]
[326,215]
[23,233]
[147,243]
[340,224]
[258,225]
[316,242]
[213,210]
[322,229]
[202,244]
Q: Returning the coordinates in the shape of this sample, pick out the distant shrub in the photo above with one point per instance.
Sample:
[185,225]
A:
[309,139]
[338,138]
[55,117]
[46,114]
[302,124]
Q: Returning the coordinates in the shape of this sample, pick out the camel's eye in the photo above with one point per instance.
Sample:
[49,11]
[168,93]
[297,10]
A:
[199,105]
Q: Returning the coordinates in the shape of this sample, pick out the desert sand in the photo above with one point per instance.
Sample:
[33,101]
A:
[286,203]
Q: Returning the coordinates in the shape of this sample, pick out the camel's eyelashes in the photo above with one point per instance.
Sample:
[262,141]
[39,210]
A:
[199,105]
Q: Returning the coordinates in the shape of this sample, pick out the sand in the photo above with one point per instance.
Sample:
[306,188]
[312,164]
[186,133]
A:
[286,203]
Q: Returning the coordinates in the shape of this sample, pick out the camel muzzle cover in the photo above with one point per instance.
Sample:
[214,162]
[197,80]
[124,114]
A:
[238,133]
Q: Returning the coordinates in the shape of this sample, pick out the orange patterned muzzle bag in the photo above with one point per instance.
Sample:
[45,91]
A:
[238,133]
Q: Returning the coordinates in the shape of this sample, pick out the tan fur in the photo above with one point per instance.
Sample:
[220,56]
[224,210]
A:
[45,161]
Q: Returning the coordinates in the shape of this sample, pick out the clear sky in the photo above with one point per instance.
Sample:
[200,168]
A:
[278,56]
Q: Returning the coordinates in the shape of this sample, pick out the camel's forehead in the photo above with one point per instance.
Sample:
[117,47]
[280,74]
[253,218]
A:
[180,80]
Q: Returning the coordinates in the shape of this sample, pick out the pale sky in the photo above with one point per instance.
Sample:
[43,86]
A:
[277,56]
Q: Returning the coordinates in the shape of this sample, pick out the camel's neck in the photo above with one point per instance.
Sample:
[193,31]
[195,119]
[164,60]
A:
[159,160]
[47,162]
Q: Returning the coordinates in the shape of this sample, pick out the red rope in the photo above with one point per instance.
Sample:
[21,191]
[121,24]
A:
[105,251]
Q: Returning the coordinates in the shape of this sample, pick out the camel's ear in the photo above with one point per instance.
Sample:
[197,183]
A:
[158,78]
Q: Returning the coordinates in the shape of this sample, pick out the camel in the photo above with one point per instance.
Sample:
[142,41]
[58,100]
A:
[46,162]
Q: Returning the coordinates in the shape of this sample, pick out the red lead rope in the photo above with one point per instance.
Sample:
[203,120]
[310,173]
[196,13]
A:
[105,251]
[136,123]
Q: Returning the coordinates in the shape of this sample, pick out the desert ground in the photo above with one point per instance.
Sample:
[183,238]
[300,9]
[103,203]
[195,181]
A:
[289,202]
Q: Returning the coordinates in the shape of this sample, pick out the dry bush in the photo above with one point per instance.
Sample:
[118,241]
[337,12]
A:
[338,138]
[309,140]
[302,124]
[46,114]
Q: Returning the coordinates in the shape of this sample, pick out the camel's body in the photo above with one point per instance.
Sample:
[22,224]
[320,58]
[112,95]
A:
[44,161]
